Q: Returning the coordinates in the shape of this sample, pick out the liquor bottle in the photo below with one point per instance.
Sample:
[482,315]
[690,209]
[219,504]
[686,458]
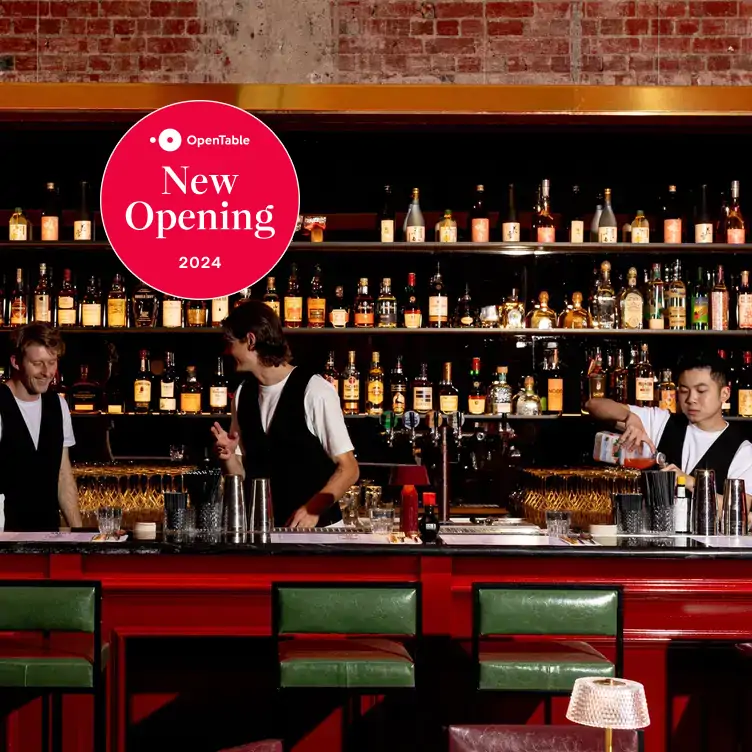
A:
[412,316]
[465,316]
[423,392]
[541,317]
[677,299]
[618,384]
[510,227]
[703,222]
[608,230]
[631,303]
[168,386]
[271,296]
[554,381]
[667,392]
[656,300]
[220,309]
[595,222]
[67,306]
[218,396]
[476,398]
[172,312]
[42,298]
[316,308]
[196,313]
[672,218]
[117,304]
[726,406]
[640,228]
[386,306]
[500,393]
[145,304]
[545,227]
[744,303]
[513,312]
[479,227]
[114,398]
[719,303]
[82,224]
[414,228]
[700,302]
[534,215]
[386,217]
[446,228]
[190,393]
[644,381]
[575,317]
[330,374]
[595,379]
[85,395]
[375,387]
[429,525]
[3,311]
[19,227]
[351,386]
[91,305]
[339,314]
[142,386]
[744,386]
[363,306]
[604,311]
[51,214]
[449,397]
[19,308]
[733,290]
[528,402]
[398,388]
[720,223]
[438,303]
[577,217]
[293,301]
[735,232]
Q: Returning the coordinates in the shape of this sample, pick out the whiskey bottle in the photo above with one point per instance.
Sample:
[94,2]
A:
[677,299]
[449,397]
[168,386]
[172,312]
[656,300]
[51,214]
[631,303]
[117,304]
[618,381]
[91,305]
[293,301]
[364,308]
[744,303]
[19,227]
[528,402]
[19,308]
[744,387]
[351,386]
[220,309]
[604,304]
[82,224]
[735,232]
[513,312]
[142,386]
[386,306]
[545,226]
[446,228]
[608,230]
[703,221]
[271,296]
[330,372]
[67,306]
[398,388]
[316,303]
[218,396]
[196,313]
[85,395]
[375,387]
[190,393]
[575,317]
[554,381]
[145,304]
[414,228]
[719,303]
[339,314]
[476,398]
[479,226]
[423,392]
[466,316]
[595,379]
[42,297]
[700,303]
[576,221]
[644,381]
[386,216]
[672,218]
[412,316]
[438,303]
[500,396]
[114,398]
[640,232]
[510,227]
[541,317]
[667,392]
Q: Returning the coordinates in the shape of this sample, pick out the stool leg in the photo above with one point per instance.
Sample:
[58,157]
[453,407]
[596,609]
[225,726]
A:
[56,714]
[547,710]
[45,700]
[100,719]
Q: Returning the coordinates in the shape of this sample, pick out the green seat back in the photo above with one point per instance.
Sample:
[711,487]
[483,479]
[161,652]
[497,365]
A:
[347,610]
[521,611]
[52,608]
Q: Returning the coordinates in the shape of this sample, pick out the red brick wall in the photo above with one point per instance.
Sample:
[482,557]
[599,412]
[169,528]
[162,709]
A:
[468,41]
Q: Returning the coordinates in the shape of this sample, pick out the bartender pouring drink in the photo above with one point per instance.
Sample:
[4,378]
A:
[287,424]
[36,477]
[697,437]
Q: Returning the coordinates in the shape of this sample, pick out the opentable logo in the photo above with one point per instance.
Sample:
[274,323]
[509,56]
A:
[171,140]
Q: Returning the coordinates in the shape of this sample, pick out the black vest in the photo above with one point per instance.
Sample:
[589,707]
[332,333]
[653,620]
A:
[289,454]
[29,474]
[719,454]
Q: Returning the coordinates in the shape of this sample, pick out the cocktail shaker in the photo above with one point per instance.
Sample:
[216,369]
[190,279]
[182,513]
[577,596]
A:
[734,510]
[233,503]
[261,514]
[704,505]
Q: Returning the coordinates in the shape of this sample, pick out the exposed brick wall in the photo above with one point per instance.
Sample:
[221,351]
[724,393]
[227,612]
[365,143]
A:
[304,41]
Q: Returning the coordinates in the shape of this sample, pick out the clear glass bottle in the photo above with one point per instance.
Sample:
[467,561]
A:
[700,302]
[422,392]
[142,386]
[575,316]
[466,316]
[271,296]
[656,300]
[293,301]
[604,304]
[677,299]
[339,313]
[735,232]
[500,393]
[330,372]
[218,394]
[479,222]
[168,386]
[19,227]
[595,222]
[527,401]
[316,313]
[545,227]
[672,218]
[398,388]
[117,304]
[91,305]
[631,303]
[438,303]
[363,306]
[446,228]
[42,297]
[719,303]
[412,316]
[449,397]
[386,306]
[190,393]
[476,398]
[375,387]
[640,228]
[608,230]
[351,386]
[541,317]
[414,228]
[513,312]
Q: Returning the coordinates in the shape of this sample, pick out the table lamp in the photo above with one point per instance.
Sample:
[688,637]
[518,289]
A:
[409,476]
[608,704]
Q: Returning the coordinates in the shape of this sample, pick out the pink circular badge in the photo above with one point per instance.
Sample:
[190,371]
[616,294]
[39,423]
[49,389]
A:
[200,199]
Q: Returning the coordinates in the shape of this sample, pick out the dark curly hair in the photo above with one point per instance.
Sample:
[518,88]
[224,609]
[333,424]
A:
[257,318]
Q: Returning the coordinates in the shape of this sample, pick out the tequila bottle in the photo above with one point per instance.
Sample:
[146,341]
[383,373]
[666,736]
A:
[500,393]
[604,301]
[631,303]
[541,317]
[575,317]
[527,401]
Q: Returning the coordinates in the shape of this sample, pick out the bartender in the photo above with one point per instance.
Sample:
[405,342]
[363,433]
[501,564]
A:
[36,477]
[287,424]
[697,437]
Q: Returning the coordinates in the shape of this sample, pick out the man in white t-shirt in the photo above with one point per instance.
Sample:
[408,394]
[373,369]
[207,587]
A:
[697,436]
[287,424]
[36,477]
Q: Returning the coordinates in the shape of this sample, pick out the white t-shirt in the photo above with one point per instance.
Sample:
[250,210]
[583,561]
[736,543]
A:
[696,443]
[323,413]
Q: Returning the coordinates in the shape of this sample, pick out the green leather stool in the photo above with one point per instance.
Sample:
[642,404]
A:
[56,648]
[545,611]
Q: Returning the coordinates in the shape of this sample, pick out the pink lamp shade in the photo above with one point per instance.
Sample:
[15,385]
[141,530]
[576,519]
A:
[608,703]
[409,475]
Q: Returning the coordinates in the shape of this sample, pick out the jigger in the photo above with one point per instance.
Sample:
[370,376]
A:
[233,505]
[734,510]
[261,513]
[704,505]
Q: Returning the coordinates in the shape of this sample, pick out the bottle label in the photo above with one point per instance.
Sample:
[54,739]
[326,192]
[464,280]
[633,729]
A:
[274,305]
[656,323]
[190,402]
[700,310]
[115,409]
[293,310]
[375,393]
[500,408]
[364,319]
[416,234]
[17,232]
[167,389]
[220,309]
[510,232]
[607,234]
[413,320]
[735,236]
[316,311]
[388,319]
[644,389]
[476,405]
[447,234]
[218,396]
[467,321]
[449,403]
[18,313]
[338,317]
[640,234]
[171,314]
[672,231]
[115,312]
[555,395]
[50,228]
[677,316]
[168,404]
[745,311]
[632,312]
[196,316]
[577,231]
[745,403]
[351,389]
[719,311]
[546,234]
[66,313]
[668,400]
[422,399]
[82,230]
[398,403]
[142,391]
[704,233]
[91,314]
[514,318]
[387,230]
[438,308]
[42,308]
[479,230]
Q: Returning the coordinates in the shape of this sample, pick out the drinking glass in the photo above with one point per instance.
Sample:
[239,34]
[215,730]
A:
[382,520]
[348,504]
[109,519]
[558,522]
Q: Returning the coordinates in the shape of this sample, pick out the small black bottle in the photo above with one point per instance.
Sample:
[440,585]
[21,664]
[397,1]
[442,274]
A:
[429,522]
